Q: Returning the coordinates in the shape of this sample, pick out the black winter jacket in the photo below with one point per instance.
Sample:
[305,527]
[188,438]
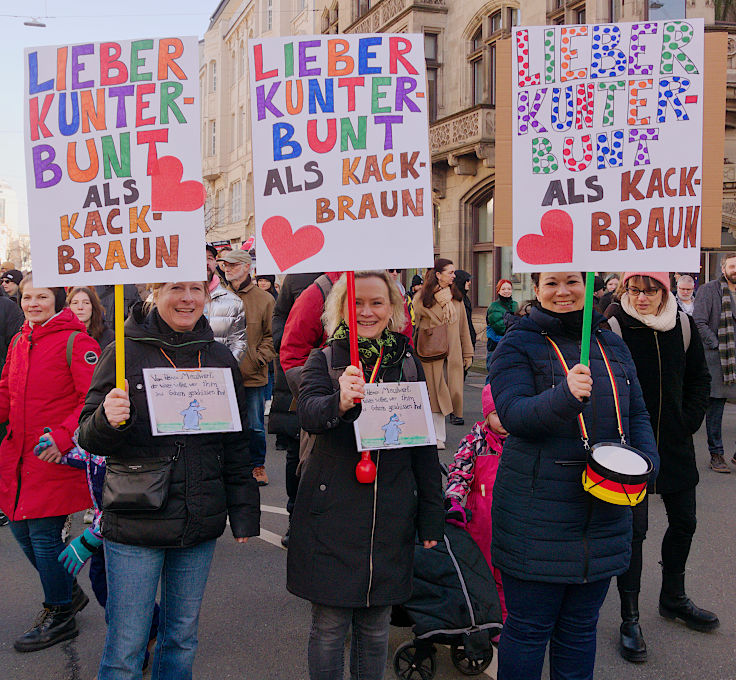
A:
[676,388]
[352,544]
[545,526]
[212,476]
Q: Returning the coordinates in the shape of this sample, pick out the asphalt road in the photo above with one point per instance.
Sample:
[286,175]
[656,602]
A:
[252,629]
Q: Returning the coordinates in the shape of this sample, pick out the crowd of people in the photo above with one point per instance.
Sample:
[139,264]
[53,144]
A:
[72,440]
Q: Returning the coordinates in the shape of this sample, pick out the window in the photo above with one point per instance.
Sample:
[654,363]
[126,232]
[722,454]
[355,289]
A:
[235,201]
[436,227]
[269,15]
[496,21]
[213,137]
[580,16]
[665,9]
[432,62]
[213,76]
[614,10]
[483,252]
[362,7]
[477,85]
[477,39]
[513,17]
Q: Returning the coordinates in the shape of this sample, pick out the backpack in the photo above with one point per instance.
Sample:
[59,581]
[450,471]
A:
[69,345]
[615,326]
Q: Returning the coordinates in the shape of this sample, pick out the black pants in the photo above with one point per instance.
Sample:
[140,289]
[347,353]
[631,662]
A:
[681,523]
[292,462]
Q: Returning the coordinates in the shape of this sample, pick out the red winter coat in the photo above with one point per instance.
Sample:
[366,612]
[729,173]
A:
[39,389]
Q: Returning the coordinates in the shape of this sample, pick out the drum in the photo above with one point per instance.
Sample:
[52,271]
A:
[617,473]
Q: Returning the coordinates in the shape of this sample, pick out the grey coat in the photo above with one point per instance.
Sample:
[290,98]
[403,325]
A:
[707,316]
[227,320]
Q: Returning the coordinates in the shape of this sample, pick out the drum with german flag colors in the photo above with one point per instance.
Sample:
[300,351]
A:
[617,473]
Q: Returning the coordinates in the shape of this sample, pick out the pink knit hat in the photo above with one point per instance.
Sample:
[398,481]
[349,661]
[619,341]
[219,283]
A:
[487,401]
[662,277]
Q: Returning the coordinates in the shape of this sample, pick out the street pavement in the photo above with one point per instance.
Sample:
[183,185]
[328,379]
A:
[252,629]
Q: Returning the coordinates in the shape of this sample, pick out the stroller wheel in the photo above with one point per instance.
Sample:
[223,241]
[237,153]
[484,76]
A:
[470,666]
[415,663]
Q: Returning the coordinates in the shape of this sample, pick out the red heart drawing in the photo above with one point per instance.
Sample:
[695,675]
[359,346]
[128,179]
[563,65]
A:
[553,245]
[289,248]
[168,192]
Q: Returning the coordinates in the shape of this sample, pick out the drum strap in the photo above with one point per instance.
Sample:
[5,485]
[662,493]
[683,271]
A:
[616,400]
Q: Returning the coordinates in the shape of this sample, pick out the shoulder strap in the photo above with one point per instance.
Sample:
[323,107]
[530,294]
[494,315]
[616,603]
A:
[15,339]
[324,284]
[70,347]
[615,326]
[686,330]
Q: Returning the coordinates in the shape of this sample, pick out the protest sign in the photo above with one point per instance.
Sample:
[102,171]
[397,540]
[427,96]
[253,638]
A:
[341,160]
[607,146]
[114,168]
[394,415]
[198,401]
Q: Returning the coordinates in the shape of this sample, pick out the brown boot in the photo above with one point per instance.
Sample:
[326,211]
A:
[259,472]
[718,464]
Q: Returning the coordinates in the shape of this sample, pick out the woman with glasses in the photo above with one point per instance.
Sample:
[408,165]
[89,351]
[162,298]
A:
[674,378]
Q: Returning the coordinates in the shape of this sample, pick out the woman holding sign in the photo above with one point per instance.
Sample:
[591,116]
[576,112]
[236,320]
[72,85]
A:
[351,545]
[674,377]
[166,497]
[557,546]
[443,343]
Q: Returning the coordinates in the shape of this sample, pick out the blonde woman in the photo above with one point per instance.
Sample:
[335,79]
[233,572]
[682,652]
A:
[439,303]
[351,545]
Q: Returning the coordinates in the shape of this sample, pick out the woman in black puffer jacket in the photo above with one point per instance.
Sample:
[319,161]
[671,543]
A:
[676,386]
[211,480]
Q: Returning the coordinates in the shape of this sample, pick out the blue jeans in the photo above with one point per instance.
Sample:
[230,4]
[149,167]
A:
[368,646]
[133,574]
[714,425]
[41,541]
[254,397]
[269,385]
[563,615]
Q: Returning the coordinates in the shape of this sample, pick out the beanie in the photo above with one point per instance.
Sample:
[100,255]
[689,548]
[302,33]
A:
[487,401]
[662,277]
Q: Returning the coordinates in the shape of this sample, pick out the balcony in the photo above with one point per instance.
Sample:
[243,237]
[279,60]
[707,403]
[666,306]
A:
[379,17]
[469,132]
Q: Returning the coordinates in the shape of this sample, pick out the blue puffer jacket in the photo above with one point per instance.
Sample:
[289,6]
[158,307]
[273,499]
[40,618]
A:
[545,526]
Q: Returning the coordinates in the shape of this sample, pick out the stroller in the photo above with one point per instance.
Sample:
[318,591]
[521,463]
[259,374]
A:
[454,602]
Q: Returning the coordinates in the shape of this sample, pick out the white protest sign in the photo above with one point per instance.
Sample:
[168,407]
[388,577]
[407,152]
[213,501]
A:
[113,162]
[196,401]
[341,163]
[607,151]
[393,416]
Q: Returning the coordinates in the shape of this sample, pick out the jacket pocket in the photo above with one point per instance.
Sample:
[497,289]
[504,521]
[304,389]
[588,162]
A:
[323,491]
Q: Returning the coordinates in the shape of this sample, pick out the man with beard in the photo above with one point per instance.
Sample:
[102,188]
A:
[715,310]
[224,311]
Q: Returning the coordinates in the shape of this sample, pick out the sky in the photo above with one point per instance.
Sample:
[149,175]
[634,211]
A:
[73,21]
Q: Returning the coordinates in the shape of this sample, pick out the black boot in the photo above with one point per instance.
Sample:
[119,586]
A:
[79,598]
[55,624]
[675,604]
[632,645]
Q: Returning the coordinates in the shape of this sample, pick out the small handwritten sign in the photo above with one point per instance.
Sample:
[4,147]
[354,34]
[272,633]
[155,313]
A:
[200,401]
[395,415]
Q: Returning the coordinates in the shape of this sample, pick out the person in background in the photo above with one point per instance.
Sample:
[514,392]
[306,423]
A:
[107,298]
[685,294]
[351,547]
[10,281]
[83,301]
[495,317]
[395,275]
[462,284]
[224,310]
[557,546]
[267,282]
[599,290]
[6,266]
[609,296]
[416,284]
[44,382]
[715,306]
[258,307]
[438,303]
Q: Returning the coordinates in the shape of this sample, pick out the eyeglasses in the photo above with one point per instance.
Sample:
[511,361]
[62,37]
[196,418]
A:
[393,271]
[649,292]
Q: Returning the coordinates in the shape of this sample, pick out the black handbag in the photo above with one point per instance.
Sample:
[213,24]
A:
[137,484]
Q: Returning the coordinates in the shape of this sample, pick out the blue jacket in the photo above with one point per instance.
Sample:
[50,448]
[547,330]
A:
[545,526]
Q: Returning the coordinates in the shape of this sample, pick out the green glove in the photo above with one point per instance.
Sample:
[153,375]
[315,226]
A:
[79,551]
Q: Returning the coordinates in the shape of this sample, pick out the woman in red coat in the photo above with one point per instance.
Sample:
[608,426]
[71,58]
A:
[44,382]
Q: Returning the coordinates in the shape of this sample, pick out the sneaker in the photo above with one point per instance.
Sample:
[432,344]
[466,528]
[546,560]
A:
[89,516]
[718,464]
[285,539]
[259,472]
[267,408]
[3,519]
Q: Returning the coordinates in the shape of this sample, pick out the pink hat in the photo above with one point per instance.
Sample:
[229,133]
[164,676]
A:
[486,399]
[662,277]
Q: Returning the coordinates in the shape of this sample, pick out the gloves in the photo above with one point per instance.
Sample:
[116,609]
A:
[456,515]
[43,441]
[79,551]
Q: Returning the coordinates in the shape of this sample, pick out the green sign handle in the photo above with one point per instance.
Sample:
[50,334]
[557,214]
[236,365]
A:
[587,319]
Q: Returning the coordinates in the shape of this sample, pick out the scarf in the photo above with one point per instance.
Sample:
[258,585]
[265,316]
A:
[494,441]
[444,298]
[664,321]
[726,342]
[369,349]
[572,322]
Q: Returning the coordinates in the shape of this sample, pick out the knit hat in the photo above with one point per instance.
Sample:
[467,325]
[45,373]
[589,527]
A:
[662,277]
[500,283]
[598,284]
[12,275]
[486,399]
[416,280]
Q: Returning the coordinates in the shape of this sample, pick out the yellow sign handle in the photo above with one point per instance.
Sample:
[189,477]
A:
[119,338]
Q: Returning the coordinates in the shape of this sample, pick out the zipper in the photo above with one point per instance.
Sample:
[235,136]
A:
[25,399]
[373,533]
[659,412]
